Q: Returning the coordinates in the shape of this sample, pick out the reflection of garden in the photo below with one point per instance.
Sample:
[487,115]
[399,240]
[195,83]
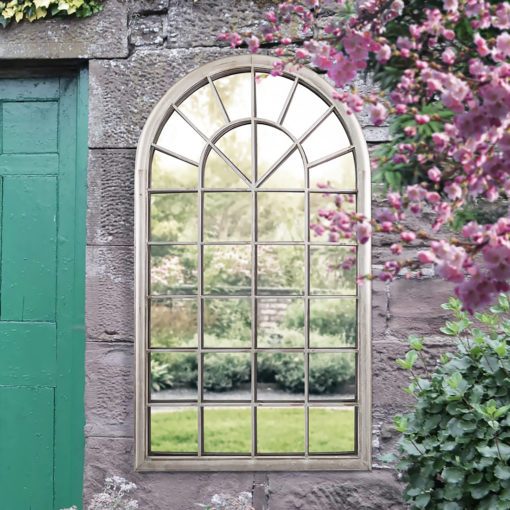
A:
[228,430]
[283,311]
[227,323]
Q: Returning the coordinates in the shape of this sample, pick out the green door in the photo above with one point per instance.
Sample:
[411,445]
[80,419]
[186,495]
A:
[42,245]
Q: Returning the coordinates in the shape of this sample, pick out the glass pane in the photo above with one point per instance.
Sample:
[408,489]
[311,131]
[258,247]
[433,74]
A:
[323,208]
[281,270]
[271,145]
[332,375]
[305,108]
[227,376]
[333,322]
[272,92]
[173,323]
[227,216]
[174,430]
[331,429]
[280,322]
[289,175]
[281,216]
[235,92]
[218,174]
[173,270]
[236,145]
[227,270]
[179,137]
[280,376]
[227,322]
[169,172]
[328,138]
[227,430]
[339,173]
[174,375]
[333,270]
[174,217]
[280,430]
[203,110]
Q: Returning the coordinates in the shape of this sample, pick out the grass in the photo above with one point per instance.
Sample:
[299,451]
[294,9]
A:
[228,430]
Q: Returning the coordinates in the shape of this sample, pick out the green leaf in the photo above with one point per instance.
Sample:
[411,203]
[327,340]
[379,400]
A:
[502,472]
[480,491]
[422,501]
[453,475]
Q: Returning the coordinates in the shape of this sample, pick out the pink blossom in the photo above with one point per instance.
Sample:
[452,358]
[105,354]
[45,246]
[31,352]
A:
[410,131]
[421,119]
[440,140]
[453,190]
[378,114]
[253,44]
[383,54]
[434,174]
[396,249]
[363,232]
[426,257]
[481,45]
[503,45]
[408,237]
[448,56]
[451,5]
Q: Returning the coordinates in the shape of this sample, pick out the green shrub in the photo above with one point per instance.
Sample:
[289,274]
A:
[455,446]
[326,375]
[224,372]
[161,378]
[330,317]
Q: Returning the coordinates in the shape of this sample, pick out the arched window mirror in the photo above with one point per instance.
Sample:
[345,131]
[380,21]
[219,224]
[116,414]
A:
[252,336]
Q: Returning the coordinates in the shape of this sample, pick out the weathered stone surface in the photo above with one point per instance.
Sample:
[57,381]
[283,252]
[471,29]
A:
[156,491]
[110,213]
[199,23]
[101,36]
[149,6]
[334,491]
[109,394]
[380,295]
[147,30]
[374,134]
[110,293]
[415,307]
[124,92]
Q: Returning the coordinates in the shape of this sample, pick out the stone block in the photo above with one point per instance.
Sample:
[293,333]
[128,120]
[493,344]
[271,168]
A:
[144,6]
[110,385]
[380,295]
[156,491]
[147,30]
[110,293]
[124,92]
[334,491]
[110,212]
[104,35]
[199,23]
[415,307]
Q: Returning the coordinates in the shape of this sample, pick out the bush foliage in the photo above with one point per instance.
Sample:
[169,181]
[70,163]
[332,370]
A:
[31,10]
[455,446]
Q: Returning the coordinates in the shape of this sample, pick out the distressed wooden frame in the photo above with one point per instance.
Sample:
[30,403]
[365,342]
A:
[361,460]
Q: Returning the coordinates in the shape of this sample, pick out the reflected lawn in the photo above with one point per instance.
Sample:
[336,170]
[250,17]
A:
[175,431]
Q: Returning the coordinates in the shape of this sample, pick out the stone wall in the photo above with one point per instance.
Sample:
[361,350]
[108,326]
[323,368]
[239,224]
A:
[136,51]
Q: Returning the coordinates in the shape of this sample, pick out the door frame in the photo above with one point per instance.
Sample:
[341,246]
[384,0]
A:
[69,440]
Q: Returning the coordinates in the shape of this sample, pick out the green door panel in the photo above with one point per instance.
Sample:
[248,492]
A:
[28,164]
[29,206]
[42,275]
[28,354]
[26,447]
[30,127]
